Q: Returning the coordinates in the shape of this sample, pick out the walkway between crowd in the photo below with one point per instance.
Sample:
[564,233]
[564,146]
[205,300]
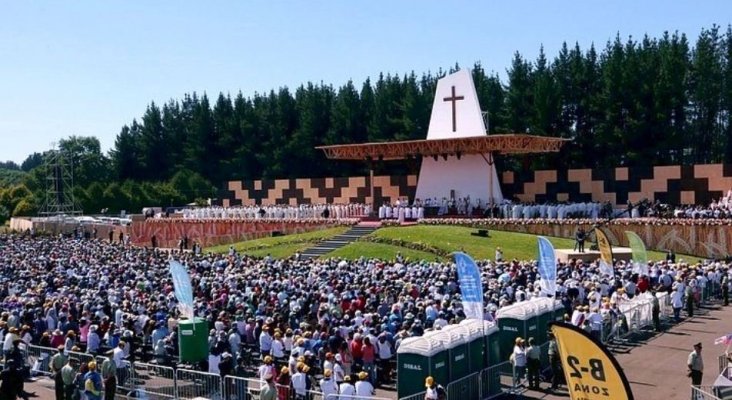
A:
[656,368]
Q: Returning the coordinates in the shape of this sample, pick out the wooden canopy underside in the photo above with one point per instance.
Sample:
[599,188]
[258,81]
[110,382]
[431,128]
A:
[492,144]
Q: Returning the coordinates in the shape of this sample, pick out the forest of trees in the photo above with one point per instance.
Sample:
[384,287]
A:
[634,102]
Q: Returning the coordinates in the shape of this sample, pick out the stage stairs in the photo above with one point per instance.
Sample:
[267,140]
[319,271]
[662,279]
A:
[336,242]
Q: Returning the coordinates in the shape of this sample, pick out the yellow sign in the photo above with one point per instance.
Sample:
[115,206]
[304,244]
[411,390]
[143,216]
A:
[592,372]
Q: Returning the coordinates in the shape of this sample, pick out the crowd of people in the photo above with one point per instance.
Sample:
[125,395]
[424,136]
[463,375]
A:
[285,320]
[302,211]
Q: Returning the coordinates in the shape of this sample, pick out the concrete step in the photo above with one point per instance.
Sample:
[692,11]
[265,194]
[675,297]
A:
[320,249]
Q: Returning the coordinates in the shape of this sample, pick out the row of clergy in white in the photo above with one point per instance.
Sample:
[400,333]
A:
[401,212]
[551,211]
[302,211]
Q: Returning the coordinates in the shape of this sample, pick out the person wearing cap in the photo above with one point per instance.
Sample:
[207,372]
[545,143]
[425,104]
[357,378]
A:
[364,388]
[284,381]
[267,368]
[518,359]
[346,388]
[695,363]
[93,382]
[328,386]
[433,391]
[109,375]
[338,372]
[68,373]
[57,363]
[300,381]
[268,391]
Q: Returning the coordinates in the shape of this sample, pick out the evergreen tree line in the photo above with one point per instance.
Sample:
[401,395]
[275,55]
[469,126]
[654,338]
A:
[652,101]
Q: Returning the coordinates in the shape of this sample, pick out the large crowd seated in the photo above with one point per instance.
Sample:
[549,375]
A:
[93,295]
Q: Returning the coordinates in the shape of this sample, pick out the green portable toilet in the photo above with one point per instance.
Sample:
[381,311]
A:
[544,315]
[418,358]
[475,335]
[455,341]
[491,380]
[516,320]
[193,340]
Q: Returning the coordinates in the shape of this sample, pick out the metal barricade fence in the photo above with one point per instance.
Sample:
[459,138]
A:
[724,363]
[315,395]
[416,396]
[39,359]
[236,387]
[157,382]
[497,380]
[84,358]
[468,387]
[703,393]
[192,384]
[285,392]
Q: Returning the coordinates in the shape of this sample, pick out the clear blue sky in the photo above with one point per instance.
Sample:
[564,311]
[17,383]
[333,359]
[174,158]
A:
[89,67]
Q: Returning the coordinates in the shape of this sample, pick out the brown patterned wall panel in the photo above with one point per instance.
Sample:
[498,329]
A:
[317,190]
[714,174]
[699,184]
[621,174]
[583,177]
[508,177]
[670,184]
[538,187]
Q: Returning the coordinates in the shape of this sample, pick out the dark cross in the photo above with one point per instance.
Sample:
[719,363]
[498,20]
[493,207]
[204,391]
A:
[453,99]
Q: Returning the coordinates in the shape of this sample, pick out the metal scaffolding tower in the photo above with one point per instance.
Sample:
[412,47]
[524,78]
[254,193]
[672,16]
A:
[59,181]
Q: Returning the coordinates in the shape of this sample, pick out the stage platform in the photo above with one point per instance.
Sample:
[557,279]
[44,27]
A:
[564,255]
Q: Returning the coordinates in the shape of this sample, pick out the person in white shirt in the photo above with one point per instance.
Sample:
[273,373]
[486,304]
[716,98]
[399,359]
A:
[299,380]
[214,359]
[364,388]
[266,368]
[384,356]
[278,348]
[346,388]
[519,361]
[93,341]
[339,374]
[328,386]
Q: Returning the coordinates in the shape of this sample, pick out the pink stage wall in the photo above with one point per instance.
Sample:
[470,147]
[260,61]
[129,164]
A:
[214,232]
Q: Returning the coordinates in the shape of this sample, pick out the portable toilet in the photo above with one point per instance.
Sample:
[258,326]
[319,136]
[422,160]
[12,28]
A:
[418,358]
[456,340]
[544,315]
[516,320]
[491,380]
[457,345]
[475,331]
[193,340]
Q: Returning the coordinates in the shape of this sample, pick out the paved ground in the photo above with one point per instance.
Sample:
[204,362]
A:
[655,364]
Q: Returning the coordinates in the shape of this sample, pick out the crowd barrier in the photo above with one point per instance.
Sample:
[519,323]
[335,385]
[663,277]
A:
[703,393]
[416,396]
[193,384]
[724,363]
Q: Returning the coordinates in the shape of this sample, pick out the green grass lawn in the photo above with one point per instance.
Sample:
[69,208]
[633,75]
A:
[455,238]
[443,238]
[380,251]
[281,246]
